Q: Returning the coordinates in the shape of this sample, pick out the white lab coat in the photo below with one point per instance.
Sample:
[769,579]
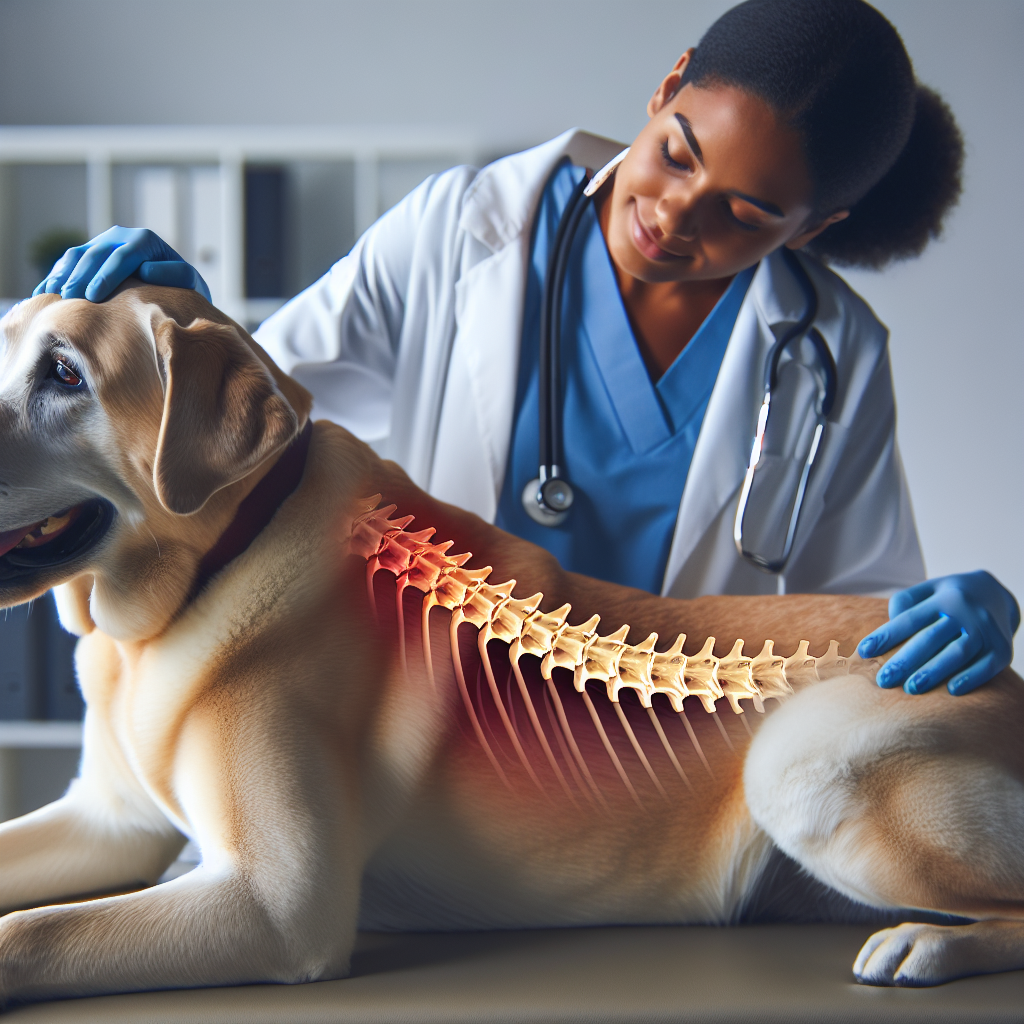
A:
[412,342]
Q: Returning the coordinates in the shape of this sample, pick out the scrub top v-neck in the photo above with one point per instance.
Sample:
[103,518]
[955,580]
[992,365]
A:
[628,441]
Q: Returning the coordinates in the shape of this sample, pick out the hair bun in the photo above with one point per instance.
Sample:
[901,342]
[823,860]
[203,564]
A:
[897,218]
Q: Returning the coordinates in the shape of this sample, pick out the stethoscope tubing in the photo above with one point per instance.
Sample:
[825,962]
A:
[801,329]
[798,330]
[549,383]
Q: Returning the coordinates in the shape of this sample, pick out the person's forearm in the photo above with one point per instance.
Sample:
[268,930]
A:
[786,620]
[817,618]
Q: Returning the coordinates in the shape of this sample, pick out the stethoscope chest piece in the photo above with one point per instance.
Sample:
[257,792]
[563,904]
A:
[547,501]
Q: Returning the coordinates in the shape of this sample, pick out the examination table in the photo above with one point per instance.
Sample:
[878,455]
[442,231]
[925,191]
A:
[788,974]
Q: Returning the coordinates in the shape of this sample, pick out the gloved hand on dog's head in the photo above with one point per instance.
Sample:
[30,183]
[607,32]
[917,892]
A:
[93,270]
[960,627]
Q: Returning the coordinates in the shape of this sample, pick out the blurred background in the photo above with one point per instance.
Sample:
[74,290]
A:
[259,137]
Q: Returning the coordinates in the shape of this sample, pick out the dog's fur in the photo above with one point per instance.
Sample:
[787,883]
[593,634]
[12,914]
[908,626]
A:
[267,718]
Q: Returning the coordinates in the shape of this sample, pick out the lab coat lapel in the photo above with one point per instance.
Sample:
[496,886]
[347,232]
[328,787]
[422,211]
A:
[723,446]
[476,418]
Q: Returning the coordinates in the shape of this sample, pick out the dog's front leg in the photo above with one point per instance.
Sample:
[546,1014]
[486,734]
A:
[213,926]
[274,900]
[71,847]
[104,835]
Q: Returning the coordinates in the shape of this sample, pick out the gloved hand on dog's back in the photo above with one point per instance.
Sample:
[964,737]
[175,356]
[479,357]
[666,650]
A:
[93,270]
[959,628]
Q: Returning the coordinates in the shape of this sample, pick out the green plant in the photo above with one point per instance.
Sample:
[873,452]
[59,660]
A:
[51,245]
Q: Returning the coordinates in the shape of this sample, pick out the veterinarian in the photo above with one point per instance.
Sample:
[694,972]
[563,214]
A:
[794,125]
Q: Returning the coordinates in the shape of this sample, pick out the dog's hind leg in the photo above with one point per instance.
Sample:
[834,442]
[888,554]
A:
[899,801]
[915,955]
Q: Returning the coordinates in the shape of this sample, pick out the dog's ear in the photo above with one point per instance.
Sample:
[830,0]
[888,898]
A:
[223,414]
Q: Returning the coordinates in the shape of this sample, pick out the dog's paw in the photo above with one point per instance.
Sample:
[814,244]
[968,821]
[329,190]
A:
[909,954]
[915,955]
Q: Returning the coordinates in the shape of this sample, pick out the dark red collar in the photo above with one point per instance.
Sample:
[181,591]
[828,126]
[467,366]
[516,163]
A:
[256,510]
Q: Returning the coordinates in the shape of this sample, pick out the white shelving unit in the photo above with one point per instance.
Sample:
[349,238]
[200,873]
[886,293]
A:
[40,735]
[18,737]
[101,150]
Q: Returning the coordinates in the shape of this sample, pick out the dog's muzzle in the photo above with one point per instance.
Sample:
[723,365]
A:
[92,519]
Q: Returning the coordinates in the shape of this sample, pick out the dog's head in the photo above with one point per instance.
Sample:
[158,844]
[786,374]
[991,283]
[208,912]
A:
[129,432]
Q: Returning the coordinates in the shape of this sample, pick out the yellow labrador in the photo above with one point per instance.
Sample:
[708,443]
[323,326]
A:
[342,757]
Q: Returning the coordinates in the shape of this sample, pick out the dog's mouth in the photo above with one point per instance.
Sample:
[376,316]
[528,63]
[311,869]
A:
[55,540]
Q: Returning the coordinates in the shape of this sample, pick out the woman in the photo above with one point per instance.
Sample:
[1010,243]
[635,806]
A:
[794,125]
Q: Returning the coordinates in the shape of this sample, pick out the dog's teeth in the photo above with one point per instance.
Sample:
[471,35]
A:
[54,523]
[50,525]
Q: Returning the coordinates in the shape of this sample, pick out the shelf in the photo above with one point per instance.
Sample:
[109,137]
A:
[196,187]
[257,310]
[40,735]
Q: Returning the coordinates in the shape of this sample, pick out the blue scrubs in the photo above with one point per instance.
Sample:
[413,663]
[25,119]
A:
[628,442]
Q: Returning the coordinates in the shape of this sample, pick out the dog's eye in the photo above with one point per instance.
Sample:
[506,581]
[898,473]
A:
[60,371]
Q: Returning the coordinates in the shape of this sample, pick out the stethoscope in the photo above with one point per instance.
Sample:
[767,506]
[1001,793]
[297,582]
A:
[548,498]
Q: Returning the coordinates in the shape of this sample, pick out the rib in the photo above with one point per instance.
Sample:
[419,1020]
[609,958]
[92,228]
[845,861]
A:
[484,719]
[512,735]
[535,722]
[468,702]
[511,704]
[696,744]
[564,749]
[400,585]
[721,729]
[653,715]
[577,753]
[610,749]
[428,658]
[371,570]
[639,750]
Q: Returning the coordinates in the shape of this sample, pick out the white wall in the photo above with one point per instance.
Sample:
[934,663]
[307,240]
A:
[517,71]
[957,336]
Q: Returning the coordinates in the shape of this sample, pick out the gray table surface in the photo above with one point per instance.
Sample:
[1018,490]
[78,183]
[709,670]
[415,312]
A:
[767,973]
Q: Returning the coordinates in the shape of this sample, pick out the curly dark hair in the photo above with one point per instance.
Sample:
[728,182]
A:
[877,143]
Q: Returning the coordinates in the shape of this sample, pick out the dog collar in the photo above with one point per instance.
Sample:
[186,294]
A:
[255,511]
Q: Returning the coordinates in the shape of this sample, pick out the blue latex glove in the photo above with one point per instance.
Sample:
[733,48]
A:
[961,627]
[92,271]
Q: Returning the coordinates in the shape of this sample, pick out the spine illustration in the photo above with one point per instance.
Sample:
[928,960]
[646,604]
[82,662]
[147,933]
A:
[386,544]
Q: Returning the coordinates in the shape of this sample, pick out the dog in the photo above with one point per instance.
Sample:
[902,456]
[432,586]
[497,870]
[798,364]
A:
[161,474]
